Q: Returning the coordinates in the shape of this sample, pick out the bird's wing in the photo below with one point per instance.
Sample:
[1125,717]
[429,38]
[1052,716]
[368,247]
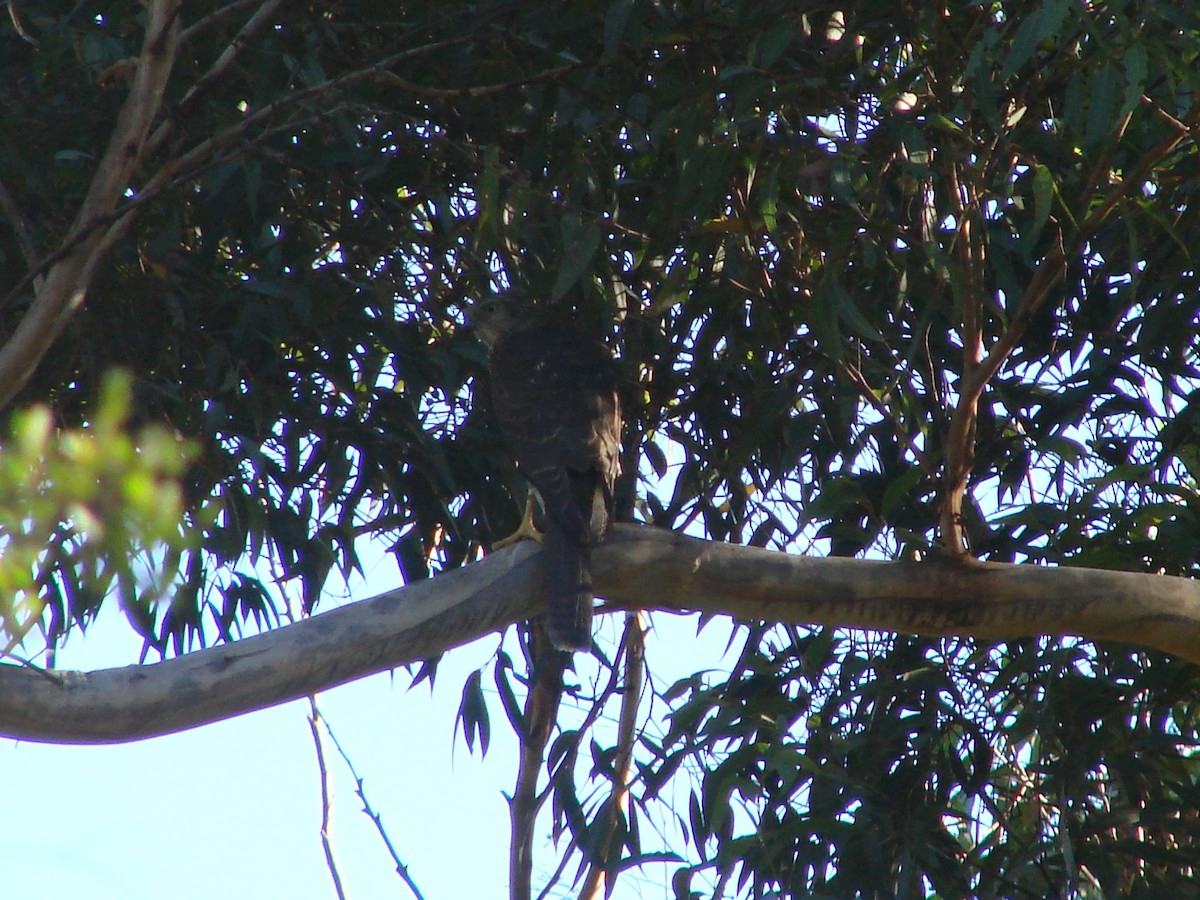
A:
[555,396]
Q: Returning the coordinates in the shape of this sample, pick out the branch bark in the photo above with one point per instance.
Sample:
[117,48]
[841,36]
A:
[980,368]
[538,718]
[601,878]
[637,568]
[960,438]
[67,282]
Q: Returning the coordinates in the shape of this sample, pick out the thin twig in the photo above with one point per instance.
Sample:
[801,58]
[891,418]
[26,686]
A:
[314,723]
[205,82]
[482,90]
[857,378]
[376,818]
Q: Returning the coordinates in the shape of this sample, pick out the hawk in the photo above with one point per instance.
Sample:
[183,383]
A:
[554,394]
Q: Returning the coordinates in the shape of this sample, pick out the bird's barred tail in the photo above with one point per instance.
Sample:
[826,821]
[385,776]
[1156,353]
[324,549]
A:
[569,590]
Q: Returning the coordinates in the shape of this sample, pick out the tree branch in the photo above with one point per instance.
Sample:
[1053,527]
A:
[978,368]
[637,568]
[68,279]
[1051,269]
[538,718]
[66,284]
[601,877]
[20,225]
[960,437]
[222,64]
[314,724]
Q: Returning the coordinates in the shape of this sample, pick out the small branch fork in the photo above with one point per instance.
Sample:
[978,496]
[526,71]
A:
[63,277]
[978,367]
[66,284]
[318,723]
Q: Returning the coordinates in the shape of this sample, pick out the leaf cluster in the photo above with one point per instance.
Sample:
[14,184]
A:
[87,513]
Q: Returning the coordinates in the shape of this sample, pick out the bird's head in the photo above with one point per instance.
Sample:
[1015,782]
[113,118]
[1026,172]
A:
[498,316]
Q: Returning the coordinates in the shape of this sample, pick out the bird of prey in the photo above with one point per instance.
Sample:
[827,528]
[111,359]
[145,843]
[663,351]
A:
[554,395]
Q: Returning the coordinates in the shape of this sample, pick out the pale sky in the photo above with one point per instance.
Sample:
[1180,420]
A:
[232,810]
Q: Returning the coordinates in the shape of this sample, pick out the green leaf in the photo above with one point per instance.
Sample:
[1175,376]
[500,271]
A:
[1043,24]
[899,490]
[1043,198]
[616,20]
[656,457]
[771,45]
[1135,70]
[580,243]
[1103,112]
[848,312]
[473,714]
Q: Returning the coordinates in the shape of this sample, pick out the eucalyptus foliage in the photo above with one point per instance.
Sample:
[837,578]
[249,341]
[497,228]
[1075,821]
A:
[103,501]
[806,231]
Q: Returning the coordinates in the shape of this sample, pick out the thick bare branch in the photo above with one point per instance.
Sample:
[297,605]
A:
[638,567]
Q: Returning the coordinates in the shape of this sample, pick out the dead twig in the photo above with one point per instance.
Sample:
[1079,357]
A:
[314,723]
[376,817]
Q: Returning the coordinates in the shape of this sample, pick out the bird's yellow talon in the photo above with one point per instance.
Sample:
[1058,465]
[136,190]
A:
[526,531]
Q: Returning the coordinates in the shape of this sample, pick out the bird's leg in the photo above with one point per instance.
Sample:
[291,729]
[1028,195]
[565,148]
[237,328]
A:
[526,531]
